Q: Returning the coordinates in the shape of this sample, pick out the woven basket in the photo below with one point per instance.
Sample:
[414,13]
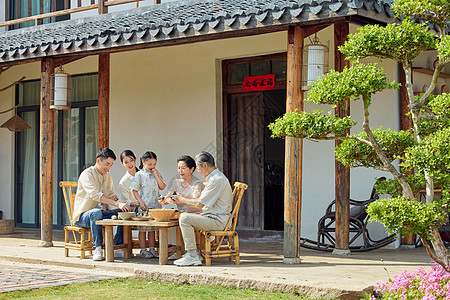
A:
[6,226]
[15,124]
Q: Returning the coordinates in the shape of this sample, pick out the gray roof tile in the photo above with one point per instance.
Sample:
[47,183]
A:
[175,20]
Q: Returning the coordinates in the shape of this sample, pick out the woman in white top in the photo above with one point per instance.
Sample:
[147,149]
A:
[128,160]
[187,186]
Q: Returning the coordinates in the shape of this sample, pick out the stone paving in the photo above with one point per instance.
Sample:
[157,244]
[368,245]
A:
[21,276]
[320,274]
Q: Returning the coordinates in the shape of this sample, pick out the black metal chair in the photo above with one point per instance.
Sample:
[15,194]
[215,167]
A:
[357,226]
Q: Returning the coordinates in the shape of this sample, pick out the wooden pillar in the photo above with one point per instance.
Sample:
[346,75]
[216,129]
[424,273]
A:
[46,134]
[294,149]
[342,173]
[102,8]
[103,100]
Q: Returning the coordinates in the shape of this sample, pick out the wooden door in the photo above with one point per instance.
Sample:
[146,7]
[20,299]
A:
[244,146]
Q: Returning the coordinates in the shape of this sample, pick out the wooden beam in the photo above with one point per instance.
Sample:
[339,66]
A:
[342,173]
[294,149]
[65,60]
[46,134]
[103,100]
[310,30]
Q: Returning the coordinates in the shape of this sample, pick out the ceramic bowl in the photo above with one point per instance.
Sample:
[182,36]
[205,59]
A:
[127,215]
[161,214]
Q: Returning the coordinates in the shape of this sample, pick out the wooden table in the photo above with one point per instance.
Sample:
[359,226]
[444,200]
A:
[128,239]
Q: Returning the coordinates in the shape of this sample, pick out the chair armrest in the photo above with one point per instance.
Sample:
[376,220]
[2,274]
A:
[76,228]
[218,233]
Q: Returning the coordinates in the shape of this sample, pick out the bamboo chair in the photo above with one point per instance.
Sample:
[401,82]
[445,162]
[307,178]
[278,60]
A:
[212,244]
[81,244]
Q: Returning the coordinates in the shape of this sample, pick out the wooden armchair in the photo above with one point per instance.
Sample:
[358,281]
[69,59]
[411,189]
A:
[81,244]
[212,243]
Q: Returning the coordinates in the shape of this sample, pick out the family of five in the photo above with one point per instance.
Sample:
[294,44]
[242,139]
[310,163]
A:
[205,205]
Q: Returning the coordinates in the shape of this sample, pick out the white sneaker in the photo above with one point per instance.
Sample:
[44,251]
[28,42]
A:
[98,254]
[119,253]
[145,254]
[153,252]
[188,260]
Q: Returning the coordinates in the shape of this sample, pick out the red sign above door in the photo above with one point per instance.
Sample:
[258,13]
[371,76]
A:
[259,83]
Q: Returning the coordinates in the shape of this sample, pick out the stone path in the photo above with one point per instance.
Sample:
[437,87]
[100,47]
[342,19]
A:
[20,276]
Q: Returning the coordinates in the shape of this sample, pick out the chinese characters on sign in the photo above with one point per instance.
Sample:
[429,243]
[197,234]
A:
[259,83]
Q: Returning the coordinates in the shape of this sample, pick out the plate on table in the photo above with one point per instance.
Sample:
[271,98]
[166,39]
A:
[145,218]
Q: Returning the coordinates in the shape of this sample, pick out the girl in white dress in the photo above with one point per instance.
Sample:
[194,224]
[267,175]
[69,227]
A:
[145,187]
[128,160]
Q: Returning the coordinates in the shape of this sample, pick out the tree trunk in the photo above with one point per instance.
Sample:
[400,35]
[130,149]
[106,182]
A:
[440,249]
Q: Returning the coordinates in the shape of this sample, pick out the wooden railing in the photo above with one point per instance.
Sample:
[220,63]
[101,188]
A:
[102,7]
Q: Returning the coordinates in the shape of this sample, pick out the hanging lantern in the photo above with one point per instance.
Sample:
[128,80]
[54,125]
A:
[315,61]
[61,90]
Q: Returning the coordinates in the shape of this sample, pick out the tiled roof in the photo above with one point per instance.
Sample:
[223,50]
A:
[178,20]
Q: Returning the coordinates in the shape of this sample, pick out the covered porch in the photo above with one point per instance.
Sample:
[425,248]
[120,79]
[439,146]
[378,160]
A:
[118,54]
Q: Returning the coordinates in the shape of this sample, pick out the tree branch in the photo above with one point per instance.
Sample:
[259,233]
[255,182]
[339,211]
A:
[407,191]
[348,137]
[3,69]
[12,84]
[5,111]
[432,255]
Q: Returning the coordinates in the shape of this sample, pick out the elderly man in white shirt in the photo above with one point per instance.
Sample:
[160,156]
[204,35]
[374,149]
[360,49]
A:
[215,201]
[95,189]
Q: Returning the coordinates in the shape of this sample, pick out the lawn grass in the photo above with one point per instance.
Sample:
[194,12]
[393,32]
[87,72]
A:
[143,289]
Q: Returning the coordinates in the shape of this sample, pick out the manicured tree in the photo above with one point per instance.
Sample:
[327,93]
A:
[425,148]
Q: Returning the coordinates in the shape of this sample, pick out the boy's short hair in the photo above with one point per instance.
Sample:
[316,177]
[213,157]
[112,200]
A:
[105,153]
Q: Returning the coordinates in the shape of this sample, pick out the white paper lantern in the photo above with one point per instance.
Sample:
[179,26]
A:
[61,91]
[315,61]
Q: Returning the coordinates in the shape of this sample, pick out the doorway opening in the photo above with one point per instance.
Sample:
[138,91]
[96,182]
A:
[250,154]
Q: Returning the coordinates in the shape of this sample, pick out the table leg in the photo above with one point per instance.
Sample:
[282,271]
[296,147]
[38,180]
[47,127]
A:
[163,246]
[180,243]
[128,240]
[109,245]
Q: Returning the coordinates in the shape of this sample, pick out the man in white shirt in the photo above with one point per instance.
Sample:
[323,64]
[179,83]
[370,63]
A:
[216,202]
[95,189]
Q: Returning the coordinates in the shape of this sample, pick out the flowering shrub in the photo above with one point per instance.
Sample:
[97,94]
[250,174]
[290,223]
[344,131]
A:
[418,284]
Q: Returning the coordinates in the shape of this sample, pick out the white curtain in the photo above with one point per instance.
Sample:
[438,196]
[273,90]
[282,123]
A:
[91,135]
[84,88]
[28,180]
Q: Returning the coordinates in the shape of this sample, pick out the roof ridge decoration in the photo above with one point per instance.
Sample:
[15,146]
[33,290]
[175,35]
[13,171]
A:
[177,20]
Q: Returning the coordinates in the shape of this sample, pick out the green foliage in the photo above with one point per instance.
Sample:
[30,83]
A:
[409,216]
[354,153]
[443,48]
[358,80]
[437,11]
[417,182]
[436,115]
[401,43]
[431,154]
[440,105]
[309,125]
